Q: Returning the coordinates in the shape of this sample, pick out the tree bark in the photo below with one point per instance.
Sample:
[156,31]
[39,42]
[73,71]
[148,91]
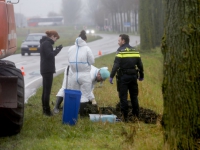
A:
[181,82]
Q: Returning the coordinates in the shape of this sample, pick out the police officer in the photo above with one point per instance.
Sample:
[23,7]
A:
[129,68]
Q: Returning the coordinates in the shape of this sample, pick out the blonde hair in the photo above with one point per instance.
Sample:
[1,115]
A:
[52,32]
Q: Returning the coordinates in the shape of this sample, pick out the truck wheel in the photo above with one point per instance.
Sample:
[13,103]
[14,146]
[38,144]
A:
[22,53]
[11,119]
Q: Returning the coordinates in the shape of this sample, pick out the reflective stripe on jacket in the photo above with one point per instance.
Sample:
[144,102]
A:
[127,58]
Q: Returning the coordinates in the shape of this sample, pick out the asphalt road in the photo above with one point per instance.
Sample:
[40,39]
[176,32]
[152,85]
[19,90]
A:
[31,64]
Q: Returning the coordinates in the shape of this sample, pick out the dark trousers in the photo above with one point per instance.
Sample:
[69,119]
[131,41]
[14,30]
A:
[128,83]
[47,84]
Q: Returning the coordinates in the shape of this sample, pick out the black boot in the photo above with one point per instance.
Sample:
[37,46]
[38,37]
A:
[57,105]
[125,117]
[135,107]
[47,111]
[83,109]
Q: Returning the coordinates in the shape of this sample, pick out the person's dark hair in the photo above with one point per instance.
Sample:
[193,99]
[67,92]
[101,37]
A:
[52,32]
[125,37]
[83,35]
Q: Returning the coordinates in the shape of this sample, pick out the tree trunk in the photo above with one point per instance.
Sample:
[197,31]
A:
[115,18]
[113,22]
[149,23]
[181,83]
[136,21]
[117,22]
[159,22]
[124,20]
[121,22]
[145,24]
[129,20]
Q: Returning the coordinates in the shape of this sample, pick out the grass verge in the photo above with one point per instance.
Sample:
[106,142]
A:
[45,133]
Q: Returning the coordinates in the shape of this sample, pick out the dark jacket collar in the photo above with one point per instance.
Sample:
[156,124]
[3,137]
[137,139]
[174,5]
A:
[45,38]
[123,47]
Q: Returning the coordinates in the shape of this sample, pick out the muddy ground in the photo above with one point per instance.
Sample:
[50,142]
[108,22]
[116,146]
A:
[145,115]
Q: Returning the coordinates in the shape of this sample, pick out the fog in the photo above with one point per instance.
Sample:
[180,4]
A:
[31,8]
[105,15]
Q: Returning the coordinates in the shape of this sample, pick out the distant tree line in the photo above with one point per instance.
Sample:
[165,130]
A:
[115,15]
[71,10]
[20,20]
[145,17]
[121,16]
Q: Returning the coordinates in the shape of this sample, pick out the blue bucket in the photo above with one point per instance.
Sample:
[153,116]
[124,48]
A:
[71,106]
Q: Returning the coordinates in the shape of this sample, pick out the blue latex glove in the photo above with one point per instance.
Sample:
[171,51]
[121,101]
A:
[111,80]
[141,79]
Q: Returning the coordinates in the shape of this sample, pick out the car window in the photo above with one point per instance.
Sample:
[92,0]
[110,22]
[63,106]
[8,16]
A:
[33,37]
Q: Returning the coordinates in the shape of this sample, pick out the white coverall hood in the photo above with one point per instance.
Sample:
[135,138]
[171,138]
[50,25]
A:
[80,42]
[80,57]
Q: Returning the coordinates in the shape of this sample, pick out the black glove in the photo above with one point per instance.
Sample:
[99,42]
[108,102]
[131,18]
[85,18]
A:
[59,47]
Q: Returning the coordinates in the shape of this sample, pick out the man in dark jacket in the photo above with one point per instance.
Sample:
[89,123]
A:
[47,67]
[129,68]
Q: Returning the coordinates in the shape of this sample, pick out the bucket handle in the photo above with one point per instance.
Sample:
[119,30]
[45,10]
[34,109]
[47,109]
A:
[67,76]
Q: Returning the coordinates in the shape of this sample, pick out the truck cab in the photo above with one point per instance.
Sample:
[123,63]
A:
[8,41]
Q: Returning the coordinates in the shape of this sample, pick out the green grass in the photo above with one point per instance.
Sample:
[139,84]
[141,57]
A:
[46,133]
[67,35]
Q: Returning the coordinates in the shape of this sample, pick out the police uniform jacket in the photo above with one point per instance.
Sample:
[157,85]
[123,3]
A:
[128,61]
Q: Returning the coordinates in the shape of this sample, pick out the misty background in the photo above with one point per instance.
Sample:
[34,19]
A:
[141,17]
[112,15]
[31,8]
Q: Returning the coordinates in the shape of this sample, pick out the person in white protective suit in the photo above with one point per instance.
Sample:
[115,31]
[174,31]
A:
[80,58]
[97,75]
